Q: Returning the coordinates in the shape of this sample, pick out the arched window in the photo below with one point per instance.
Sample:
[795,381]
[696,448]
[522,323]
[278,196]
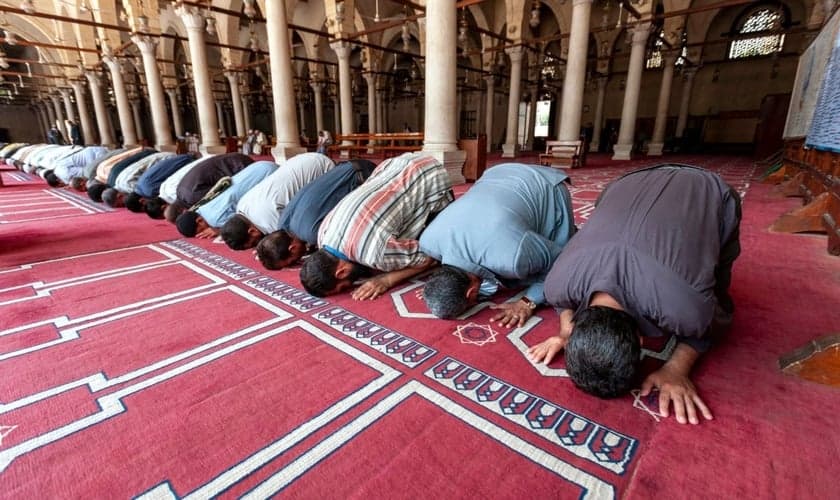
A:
[764,22]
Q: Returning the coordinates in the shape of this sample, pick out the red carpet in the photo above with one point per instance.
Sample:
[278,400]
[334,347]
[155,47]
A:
[139,365]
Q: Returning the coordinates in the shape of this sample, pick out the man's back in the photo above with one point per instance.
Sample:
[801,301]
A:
[206,174]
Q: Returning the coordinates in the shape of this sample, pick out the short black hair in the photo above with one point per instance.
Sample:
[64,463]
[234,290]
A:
[186,223]
[95,190]
[78,182]
[173,210]
[53,179]
[446,292]
[273,248]
[154,207]
[603,353]
[235,232]
[317,275]
[110,196]
[134,202]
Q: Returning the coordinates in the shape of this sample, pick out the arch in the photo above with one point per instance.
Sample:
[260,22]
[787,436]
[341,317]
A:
[761,19]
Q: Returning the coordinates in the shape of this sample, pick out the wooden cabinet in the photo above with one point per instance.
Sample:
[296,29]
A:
[476,161]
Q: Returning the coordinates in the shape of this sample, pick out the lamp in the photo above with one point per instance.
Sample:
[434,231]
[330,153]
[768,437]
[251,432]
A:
[462,28]
[406,36]
[27,6]
[211,25]
[143,24]
[535,15]
[10,38]
[249,9]
[253,43]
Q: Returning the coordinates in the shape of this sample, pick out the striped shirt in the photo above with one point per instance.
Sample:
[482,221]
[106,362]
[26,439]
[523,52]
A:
[378,224]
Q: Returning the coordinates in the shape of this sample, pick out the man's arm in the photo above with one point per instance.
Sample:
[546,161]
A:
[378,285]
[550,347]
[676,387]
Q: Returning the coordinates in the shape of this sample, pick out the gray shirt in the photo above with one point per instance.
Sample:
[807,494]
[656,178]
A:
[652,243]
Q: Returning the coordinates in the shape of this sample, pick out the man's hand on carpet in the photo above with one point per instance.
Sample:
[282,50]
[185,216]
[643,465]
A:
[512,313]
[208,233]
[547,349]
[675,387]
[372,288]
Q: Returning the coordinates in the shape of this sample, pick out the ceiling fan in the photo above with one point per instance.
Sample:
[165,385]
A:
[377,18]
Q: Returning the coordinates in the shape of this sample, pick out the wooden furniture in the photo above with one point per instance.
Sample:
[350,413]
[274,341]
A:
[378,145]
[476,161]
[815,176]
[562,154]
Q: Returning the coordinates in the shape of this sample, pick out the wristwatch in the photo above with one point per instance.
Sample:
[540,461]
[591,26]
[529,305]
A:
[531,304]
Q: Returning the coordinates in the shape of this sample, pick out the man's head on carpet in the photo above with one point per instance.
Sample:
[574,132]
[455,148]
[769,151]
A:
[135,202]
[189,223]
[53,179]
[78,183]
[240,234]
[173,210]
[450,291]
[280,249]
[113,198]
[95,190]
[155,207]
[602,356]
[323,274]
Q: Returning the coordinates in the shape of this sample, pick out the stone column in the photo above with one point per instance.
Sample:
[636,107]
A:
[138,123]
[48,105]
[575,71]
[317,87]
[221,118]
[84,116]
[627,131]
[599,114]
[246,112]
[342,50]
[129,133]
[381,125]
[282,82]
[236,99]
[441,139]
[658,140]
[685,100]
[40,117]
[301,113]
[157,103]
[491,105]
[532,116]
[102,119]
[59,114]
[68,106]
[371,98]
[207,121]
[337,119]
[176,111]
[510,146]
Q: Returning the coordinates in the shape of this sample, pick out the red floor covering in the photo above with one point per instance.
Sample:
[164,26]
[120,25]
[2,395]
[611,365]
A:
[138,364]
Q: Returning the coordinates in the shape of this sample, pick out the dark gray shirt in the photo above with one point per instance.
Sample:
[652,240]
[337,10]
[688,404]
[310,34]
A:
[652,243]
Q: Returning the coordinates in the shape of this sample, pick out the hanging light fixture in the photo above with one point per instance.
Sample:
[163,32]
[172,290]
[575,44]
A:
[10,38]
[462,28]
[142,24]
[249,9]
[3,62]
[535,14]
[211,25]
[253,43]
[339,13]
[406,36]
[27,6]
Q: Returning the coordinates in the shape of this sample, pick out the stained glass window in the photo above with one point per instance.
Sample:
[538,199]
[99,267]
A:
[761,21]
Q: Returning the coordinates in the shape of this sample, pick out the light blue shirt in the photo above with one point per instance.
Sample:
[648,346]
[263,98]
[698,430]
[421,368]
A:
[510,226]
[74,165]
[223,207]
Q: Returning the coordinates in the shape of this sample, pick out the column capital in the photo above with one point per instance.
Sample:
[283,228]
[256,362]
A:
[147,44]
[93,78]
[233,77]
[191,16]
[65,93]
[370,78]
[342,49]
[78,85]
[640,33]
[317,86]
[170,90]
[515,53]
[112,63]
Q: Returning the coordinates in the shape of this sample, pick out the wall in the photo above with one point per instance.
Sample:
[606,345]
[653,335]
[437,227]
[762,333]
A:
[21,123]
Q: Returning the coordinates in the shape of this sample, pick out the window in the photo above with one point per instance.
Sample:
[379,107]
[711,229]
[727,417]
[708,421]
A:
[765,22]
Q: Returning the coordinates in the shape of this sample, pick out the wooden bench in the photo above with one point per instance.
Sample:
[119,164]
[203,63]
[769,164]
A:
[562,154]
[815,176]
[378,145]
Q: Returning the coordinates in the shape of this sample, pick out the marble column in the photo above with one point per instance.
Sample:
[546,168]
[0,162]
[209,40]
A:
[317,87]
[138,122]
[532,116]
[598,125]
[627,130]
[282,82]
[157,103]
[441,139]
[342,50]
[685,100]
[246,112]
[301,114]
[207,120]
[129,132]
[381,124]
[510,146]
[68,105]
[337,119]
[89,137]
[490,105]
[176,111]
[236,99]
[220,118]
[371,101]
[59,114]
[575,71]
[102,119]
[48,105]
[658,140]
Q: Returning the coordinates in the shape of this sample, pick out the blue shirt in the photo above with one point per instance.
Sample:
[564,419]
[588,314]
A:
[305,212]
[223,207]
[74,165]
[124,164]
[148,186]
[510,226]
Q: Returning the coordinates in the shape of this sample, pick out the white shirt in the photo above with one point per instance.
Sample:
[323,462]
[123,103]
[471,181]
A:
[263,204]
[169,188]
[128,178]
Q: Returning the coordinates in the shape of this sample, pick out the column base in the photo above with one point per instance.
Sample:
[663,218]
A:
[453,162]
[655,148]
[282,153]
[166,148]
[206,149]
[593,147]
[509,150]
[622,151]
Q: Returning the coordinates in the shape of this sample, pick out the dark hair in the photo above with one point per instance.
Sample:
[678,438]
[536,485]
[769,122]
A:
[446,292]
[317,275]
[235,232]
[95,191]
[53,179]
[111,197]
[602,356]
[78,182]
[173,210]
[273,248]
[154,207]
[186,223]
[134,202]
